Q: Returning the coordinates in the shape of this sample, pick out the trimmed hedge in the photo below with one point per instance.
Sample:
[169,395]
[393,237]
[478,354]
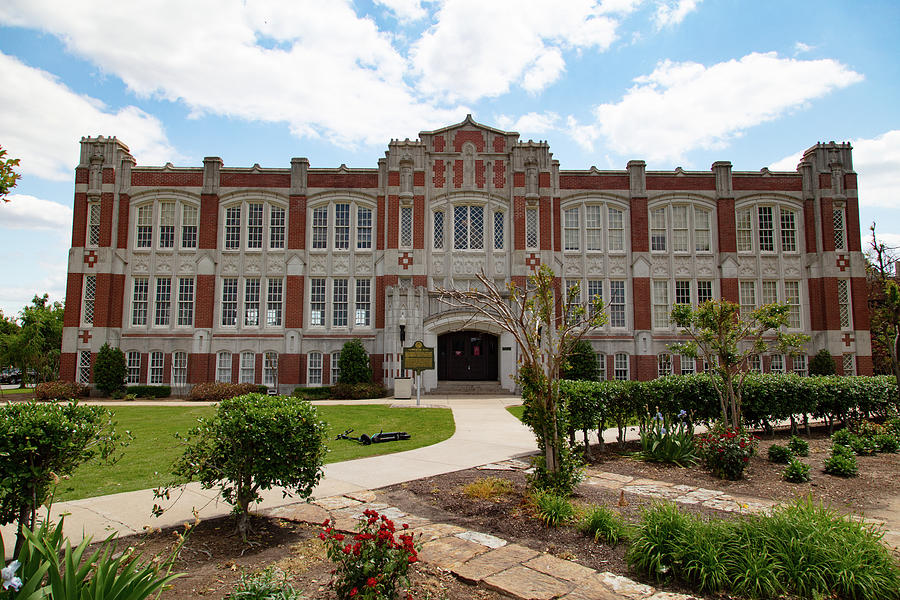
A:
[218,391]
[60,390]
[149,391]
[357,391]
[315,393]
[595,405]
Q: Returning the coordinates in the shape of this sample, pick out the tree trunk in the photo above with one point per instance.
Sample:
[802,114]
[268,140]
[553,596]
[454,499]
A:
[587,445]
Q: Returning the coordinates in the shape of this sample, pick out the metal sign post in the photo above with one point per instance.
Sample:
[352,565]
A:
[418,358]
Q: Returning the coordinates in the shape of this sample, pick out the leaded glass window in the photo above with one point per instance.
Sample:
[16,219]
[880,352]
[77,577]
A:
[439,230]
[406,226]
[89,294]
[498,230]
[531,228]
[233,228]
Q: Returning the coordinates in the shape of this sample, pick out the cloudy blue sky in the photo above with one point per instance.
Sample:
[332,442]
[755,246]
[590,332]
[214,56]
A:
[673,82]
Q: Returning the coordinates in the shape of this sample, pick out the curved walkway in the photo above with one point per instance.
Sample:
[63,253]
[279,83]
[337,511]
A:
[485,432]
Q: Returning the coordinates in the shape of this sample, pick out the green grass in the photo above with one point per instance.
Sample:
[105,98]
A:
[145,463]
[26,390]
[516,411]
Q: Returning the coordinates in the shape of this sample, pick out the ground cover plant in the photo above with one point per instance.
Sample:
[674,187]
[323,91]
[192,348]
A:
[488,487]
[145,463]
[796,471]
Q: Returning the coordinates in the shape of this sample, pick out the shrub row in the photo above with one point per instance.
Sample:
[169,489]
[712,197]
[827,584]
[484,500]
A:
[149,391]
[218,391]
[766,398]
[342,391]
[60,390]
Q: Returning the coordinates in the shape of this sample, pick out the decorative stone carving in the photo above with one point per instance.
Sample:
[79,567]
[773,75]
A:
[341,264]
[594,267]
[363,267]
[229,269]
[275,265]
[500,267]
[659,267]
[164,267]
[186,267]
[141,266]
[467,266]
[437,267]
[317,265]
[572,267]
[617,266]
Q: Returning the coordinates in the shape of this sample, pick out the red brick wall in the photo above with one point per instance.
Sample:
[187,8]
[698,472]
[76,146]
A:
[852,220]
[438,178]
[726,224]
[205,301]
[640,234]
[72,314]
[594,182]
[109,175]
[379,222]
[499,143]
[640,289]
[393,221]
[462,137]
[209,220]
[816,304]
[116,300]
[419,222]
[167,367]
[67,362]
[379,302]
[109,297]
[519,179]
[235,367]
[789,183]
[106,219]
[545,223]
[260,180]
[480,173]
[394,178]
[864,365]
[557,224]
[518,223]
[674,182]
[258,369]
[457,173]
[377,362]
[729,289]
[82,175]
[499,172]
[122,235]
[346,180]
[646,367]
[294,302]
[824,181]
[297,223]
[420,280]
[809,225]
[419,178]
[289,369]
[79,220]
[439,143]
[145,366]
[850,181]
[830,304]
[827,225]
[161,179]
[859,302]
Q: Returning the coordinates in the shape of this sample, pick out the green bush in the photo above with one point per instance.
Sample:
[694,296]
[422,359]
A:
[779,454]
[60,390]
[43,442]
[314,393]
[354,363]
[253,443]
[357,391]
[149,391]
[726,451]
[841,463]
[603,524]
[801,549]
[110,370]
[581,362]
[863,446]
[822,363]
[796,471]
[268,584]
[553,509]
[843,437]
[887,443]
[798,446]
[216,391]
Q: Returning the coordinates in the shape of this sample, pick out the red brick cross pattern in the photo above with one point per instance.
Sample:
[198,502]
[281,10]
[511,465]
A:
[85,336]
[405,260]
[848,339]
[90,258]
[842,262]
[533,260]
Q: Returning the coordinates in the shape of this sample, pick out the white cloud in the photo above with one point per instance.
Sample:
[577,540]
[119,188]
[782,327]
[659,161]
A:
[529,123]
[877,163]
[680,107]
[672,12]
[404,10]
[788,163]
[316,66]
[480,49]
[801,48]
[42,121]
[28,212]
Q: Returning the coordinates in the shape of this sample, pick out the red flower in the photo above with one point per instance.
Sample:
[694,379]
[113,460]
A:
[339,537]
[326,522]
[413,558]
[347,549]
[353,592]
[322,536]
[372,582]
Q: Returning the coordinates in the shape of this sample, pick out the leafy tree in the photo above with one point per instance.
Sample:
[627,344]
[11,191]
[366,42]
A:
[35,345]
[822,363]
[8,175]
[42,442]
[581,362]
[110,370]
[728,340]
[546,326]
[354,363]
[253,443]
[884,301]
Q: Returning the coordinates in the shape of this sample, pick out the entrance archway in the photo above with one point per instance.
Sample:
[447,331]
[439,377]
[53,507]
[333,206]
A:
[467,356]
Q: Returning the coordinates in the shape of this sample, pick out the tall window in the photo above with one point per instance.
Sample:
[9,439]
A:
[166,224]
[658,230]
[843,289]
[233,228]
[140,294]
[663,364]
[776,363]
[773,227]
[84,366]
[223,367]
[314,370]
[468,227]
[616,229]
[185,301]
[593,227]
[89,294]
[179,368]
[788,231]
[688,365]
[531,228]
[156,368]
[840,240]
[498,230]
[755,364]
[248,367]
[341,226]
[601,366]
[747,296]
[660,304]
[800,366]
[406,223]
[363,302]
[683,292]
[163,301]
[620,366]
[144,237]
[571,229]
[573,298]
[188,226]
[617,304]
[769,292]
[270,369]
[701,230]
[339,303]
[229,301]
[335,366]
[274,301]
[94,224]
[849,364]
[251,301]
[320,227]
[704,291]
[792,299]
[133,362]
[744,231]
[317,301]
[363,228]
[766,229]
[254,226]
[680,238]
[438,230]
[276,227]
[594,293]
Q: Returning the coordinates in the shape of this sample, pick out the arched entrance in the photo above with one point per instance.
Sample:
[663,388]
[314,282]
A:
[467,356]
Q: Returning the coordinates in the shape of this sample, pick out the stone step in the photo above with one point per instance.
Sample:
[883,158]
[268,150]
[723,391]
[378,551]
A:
[469,388]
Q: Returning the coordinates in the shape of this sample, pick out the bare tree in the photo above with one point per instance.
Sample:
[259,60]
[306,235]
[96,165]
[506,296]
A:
[546,326]
[884,299]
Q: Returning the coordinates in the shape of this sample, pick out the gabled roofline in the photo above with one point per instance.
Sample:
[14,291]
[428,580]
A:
[468,121]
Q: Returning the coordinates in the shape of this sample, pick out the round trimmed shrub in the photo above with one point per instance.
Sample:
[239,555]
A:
[354,363]
[779,454]
[841,464]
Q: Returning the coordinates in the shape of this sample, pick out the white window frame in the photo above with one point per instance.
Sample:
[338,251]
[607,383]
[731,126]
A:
[322,229]
[572,229]
[845,304]
[140,301]
[660,292]
[179,368]
[162,301]
[663,364]
[133,367]
[800,365]
[186,287]
[621,366]
[247,370]
[314,365]
[270,369]
[405,231]
[688,365]
[470,234]
[88,299]
[438,229]
[335,362]
[84,366]
[532,228]
[167,218]
[223,367]
[156,372]
[601,366]
[94,217]
[785,240]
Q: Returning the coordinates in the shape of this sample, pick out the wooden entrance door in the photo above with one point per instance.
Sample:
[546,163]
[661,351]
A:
[467,356]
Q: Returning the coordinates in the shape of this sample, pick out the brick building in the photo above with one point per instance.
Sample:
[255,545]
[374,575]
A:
[252,274]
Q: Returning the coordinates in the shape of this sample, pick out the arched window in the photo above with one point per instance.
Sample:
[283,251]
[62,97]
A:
[314,368]
[253,224]
[342,224]
[767,227]
[468,227]
[248,367]
[166,223]
[179,369]
[593,226]
[270,369]
[680,227]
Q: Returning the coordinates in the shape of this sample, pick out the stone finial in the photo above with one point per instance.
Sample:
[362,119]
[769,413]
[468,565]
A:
[637,176]
[299,170]
[722,169]
[128,163]
[212,165]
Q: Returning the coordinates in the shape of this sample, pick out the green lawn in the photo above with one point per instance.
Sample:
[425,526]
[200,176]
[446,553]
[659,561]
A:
[516,411]
[25,390]
[145,462]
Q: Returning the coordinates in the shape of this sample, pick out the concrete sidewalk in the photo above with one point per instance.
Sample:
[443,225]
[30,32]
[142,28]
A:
[485,433]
